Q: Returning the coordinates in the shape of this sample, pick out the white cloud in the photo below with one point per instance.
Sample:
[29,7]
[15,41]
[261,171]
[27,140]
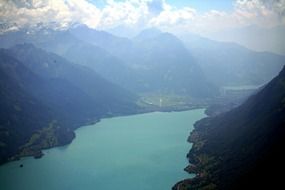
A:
[118,13]
[255,12]
[170,17]
[246,12]
[139,13]
[56,13]
[84,12]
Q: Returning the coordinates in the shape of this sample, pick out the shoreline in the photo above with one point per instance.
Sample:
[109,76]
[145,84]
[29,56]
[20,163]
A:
[38,153]
[196,161]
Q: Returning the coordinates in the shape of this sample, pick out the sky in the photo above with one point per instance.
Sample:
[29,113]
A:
[201,5]
[197,16]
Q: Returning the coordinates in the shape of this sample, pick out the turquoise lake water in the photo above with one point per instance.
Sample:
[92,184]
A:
[139,152]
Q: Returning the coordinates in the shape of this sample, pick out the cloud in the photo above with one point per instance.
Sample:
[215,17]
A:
[255,12]
[138,13]
[51,13]
[120,13]
[81,11]
[264,13]
[170,17]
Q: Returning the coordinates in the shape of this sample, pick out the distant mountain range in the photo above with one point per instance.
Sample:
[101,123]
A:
[243,148]
[255,37]
[229,64]
[136,65]
[159,60]
[155,54]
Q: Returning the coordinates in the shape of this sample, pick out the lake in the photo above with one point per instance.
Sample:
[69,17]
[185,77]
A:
[138,152]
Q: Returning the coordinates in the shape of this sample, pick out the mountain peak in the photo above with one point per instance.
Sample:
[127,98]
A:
[148,33]
[85,30]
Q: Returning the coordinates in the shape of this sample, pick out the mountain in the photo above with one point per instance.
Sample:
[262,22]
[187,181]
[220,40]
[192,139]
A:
[243,147]
[169,66]
[255,37]
[104,63]
[81,52]
[159,60]
[113,44]
[26,124]
[147,34]
[126,62]
[49,97]
[229,64]
[124,31]
[65,44]
[224,64]
[52,66]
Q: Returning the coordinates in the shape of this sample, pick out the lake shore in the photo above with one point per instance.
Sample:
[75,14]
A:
[150,146]
[55,139]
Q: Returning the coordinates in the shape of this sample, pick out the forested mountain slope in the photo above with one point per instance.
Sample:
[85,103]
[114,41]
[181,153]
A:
[241,148]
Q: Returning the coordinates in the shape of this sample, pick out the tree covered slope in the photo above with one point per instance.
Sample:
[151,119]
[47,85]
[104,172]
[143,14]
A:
[241,148]
[44,98]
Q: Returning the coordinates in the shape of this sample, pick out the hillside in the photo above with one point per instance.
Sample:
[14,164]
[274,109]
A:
[23,115]
[106,95]
[243,147]
[49,97]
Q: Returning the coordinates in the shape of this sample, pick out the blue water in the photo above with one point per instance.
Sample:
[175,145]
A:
[140,152]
